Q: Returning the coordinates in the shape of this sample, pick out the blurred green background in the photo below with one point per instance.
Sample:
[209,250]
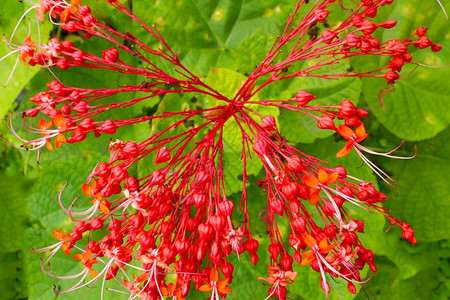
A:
[236,34]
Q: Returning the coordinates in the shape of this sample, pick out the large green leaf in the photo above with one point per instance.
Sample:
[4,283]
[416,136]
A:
[10,12]
[418,108]
[423,199]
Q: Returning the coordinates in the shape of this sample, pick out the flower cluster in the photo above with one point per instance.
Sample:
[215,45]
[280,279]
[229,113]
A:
[178,219]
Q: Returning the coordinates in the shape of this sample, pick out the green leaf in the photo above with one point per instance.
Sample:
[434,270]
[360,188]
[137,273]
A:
[418,108]
[423,189]
[300,128]
[10,12]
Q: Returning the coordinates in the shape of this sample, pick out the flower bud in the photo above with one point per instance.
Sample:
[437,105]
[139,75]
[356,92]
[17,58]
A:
[77,136]
[303,98]
[157,178]
[328,36]
[96,224]
[81,107]
[260,147]
[321,15]
[294,164]
[347,108]
[111,55]
[226,207]
[325,122]
[286,262]
[391,76]
[87,125]
[130,150]
[162,155]
[352,40]
[421,31]
[107,127]
[268,122]
[217,222]
[131,184]
[388,24]
[103,170]
[368,27]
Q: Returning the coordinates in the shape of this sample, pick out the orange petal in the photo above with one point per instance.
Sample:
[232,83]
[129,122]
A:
[143,277]
[205,288]
[323,176]
[66,249]
[90,263]
[310,181]
[49,146]
[73,9]
[291,275]
[59,120]
[213,275]
[42,124]
[314,197]
[75,2]
[346,150]
[360,132]
[309,240]
[87,254]
[164,291]
[222,283]
[103,208]
[307,260]
[60,139]
[332,178]
[177,294]
[345,131]
[78,256]
[323,244]
[327,249]
[225,290]
[93,273]
[270,280]
[64,15]
[87,190]
[57,234]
